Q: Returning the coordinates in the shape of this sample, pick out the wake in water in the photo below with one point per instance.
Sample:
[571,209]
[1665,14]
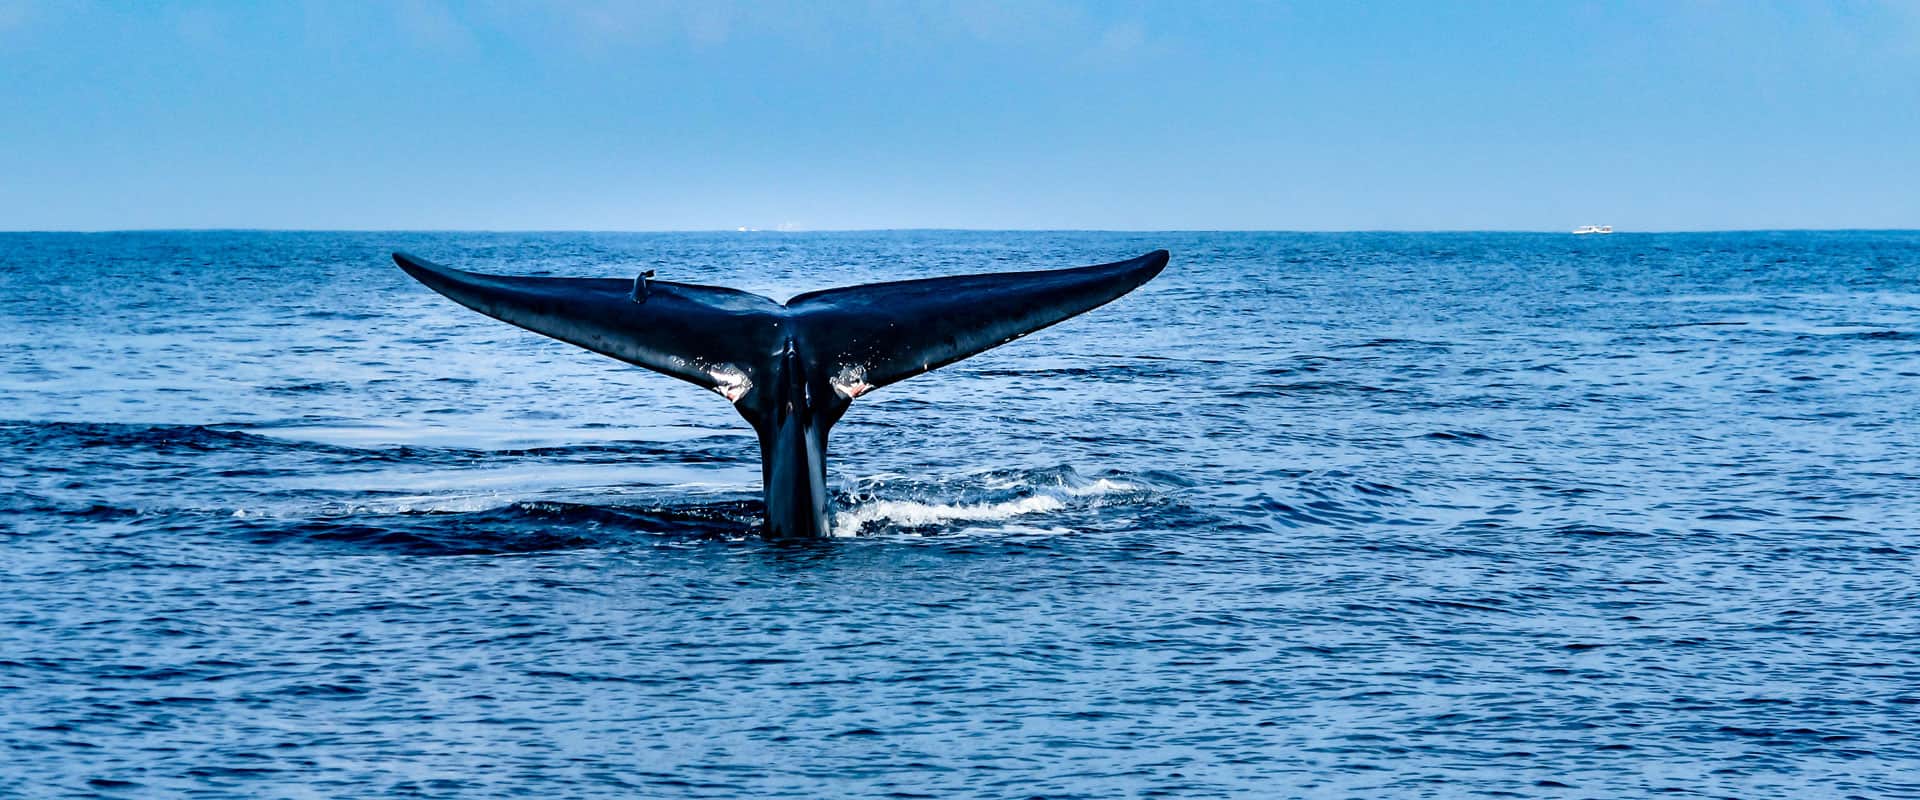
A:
[889,504]
[451,501]
[1054,501]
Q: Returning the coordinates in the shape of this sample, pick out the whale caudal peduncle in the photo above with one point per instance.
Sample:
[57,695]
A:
[791,369]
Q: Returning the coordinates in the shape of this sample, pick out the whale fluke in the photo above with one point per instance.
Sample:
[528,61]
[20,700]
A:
[898,330]
[682,330]
[790,369]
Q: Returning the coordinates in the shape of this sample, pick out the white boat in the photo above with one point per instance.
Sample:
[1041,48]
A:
[1586,229]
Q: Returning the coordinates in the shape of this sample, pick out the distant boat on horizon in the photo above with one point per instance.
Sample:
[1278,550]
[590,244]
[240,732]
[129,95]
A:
[1586,229]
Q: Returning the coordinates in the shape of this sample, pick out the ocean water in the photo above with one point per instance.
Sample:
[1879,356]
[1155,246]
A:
[1354,515]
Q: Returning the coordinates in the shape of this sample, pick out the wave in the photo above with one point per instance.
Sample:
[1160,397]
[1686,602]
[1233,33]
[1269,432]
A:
[519,527]
[32,436]
[914,514]
[887,505]
[609,517]
[26,436]
[210,478]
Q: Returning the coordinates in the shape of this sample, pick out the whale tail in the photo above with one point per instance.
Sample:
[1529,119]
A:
[726,340]
[791,369]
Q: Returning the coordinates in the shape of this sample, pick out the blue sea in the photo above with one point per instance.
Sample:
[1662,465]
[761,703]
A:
[1310,515]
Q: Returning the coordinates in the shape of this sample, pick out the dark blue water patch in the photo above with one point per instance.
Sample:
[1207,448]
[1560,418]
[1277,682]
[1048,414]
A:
[312,387]
[1310,515]
[31,437]
[520,528]
[1458,436]
[1883,336]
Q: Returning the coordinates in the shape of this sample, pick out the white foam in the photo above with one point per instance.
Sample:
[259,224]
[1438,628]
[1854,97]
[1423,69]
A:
[433,504]
[1101,486]
[913,514]
[1070,486]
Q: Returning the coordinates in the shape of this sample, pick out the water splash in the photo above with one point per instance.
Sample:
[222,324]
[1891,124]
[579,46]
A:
[892,504]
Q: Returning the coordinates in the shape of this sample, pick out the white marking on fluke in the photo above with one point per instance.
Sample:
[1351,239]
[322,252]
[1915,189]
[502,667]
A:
[852,382]
[730,382]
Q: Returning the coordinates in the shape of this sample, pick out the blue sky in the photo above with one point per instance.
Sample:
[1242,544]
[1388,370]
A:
[820,115]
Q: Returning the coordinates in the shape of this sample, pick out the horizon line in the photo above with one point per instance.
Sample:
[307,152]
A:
[803,231]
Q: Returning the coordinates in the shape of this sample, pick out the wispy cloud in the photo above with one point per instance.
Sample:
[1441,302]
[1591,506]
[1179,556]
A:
[1069,30]
[201,26]
[604,23]
[14,14]
[1120,42]
[431,24]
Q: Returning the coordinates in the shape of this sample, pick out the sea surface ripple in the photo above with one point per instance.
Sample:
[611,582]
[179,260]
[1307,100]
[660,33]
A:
[1316,515]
